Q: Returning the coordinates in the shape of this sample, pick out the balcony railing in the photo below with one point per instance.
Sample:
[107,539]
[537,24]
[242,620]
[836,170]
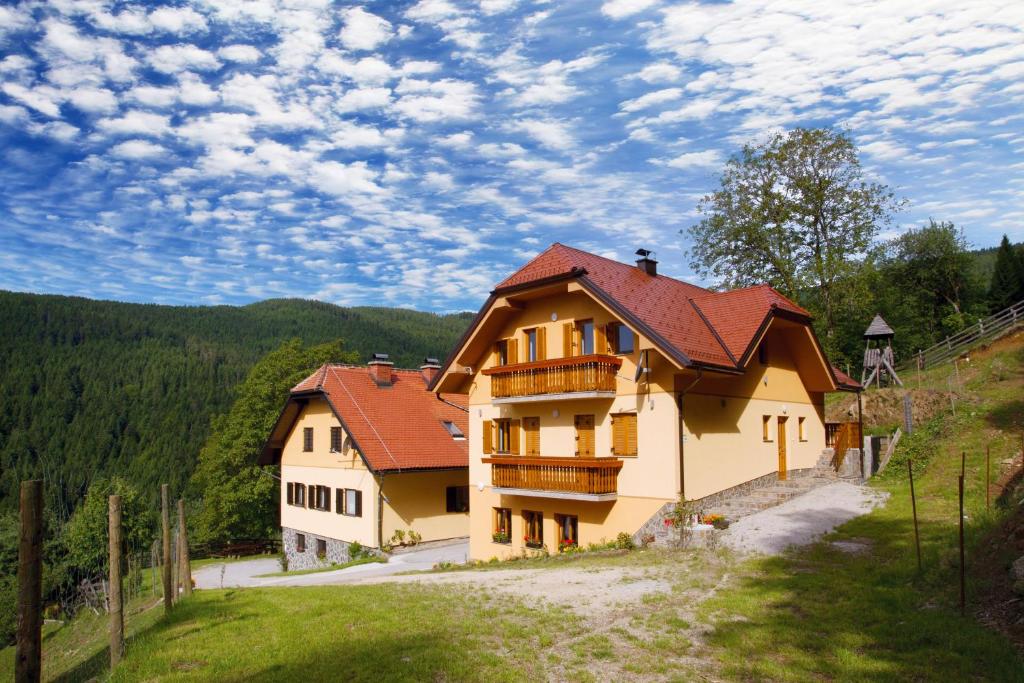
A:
[592,373]
[593,478]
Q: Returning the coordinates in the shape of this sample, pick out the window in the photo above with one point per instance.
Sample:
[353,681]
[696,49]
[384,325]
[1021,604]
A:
[568,531]
[300,543]
[762,354]
[501,351]
[533,529]
[457,499]
[321,548]
[335,439]
[531,430]
[620,338]
[297,494]
[624,434]
[766,420]
[531,345]
[350,502]
[585,330]
[800,429]
[507,433]
[307,439]
[320,498]
[502,525]
[453,429]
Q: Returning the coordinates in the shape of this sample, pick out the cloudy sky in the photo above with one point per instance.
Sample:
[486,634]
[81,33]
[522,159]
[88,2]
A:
[413,153]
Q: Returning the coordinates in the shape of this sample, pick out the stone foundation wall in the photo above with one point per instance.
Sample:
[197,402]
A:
[337,551]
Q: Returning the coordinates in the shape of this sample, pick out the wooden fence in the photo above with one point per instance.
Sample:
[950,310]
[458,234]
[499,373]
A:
[951,347]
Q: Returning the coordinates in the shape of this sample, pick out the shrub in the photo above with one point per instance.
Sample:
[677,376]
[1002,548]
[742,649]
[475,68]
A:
[356,550]
[624,541]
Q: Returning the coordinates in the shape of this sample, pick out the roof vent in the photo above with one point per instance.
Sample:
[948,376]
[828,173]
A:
[646,261]
[429,369]
[380,369]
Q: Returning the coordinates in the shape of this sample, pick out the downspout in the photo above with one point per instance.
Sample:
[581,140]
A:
[682,433]
[860,425]
[380,512]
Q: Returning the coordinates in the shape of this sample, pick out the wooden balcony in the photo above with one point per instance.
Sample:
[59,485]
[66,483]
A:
[591,376]
[593,479]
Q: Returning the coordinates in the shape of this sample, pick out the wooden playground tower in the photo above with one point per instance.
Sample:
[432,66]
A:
[878,359]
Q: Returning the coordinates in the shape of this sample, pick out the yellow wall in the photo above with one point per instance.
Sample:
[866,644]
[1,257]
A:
[598,522]
[416,500]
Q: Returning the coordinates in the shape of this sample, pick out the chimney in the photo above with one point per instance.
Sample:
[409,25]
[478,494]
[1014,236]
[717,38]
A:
[429,369]
[646,261]
[380,369]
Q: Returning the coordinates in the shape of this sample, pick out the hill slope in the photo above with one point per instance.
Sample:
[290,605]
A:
[89,388]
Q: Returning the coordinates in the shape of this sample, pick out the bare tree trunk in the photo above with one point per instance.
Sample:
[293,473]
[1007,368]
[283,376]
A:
[116,607]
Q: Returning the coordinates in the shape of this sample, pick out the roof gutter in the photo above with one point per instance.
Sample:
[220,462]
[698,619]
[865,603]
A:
[453,405]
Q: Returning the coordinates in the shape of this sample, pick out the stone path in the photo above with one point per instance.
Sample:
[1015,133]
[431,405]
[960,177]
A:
[803,519]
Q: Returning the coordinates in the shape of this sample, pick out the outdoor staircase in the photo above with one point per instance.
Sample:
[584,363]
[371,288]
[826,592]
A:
[777,493]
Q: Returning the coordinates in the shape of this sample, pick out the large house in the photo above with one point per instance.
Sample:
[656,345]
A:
[366,451]
[601,392]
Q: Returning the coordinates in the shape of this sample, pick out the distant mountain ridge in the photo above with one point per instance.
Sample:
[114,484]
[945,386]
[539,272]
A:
[91,388]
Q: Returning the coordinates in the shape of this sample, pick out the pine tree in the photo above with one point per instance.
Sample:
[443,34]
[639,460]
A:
[1007,286]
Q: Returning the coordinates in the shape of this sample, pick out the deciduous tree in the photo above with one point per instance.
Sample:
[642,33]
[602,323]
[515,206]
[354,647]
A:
[796,212]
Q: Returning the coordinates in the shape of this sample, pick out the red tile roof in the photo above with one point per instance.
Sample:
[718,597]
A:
[710,328]
[397,427]
[845,380]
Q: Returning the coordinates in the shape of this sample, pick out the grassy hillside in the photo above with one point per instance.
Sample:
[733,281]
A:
[91,388]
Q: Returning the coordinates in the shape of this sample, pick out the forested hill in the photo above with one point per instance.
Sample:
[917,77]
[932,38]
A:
[92,388]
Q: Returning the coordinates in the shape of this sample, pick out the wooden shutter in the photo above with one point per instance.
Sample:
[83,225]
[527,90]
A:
[339,501]
[513,351]
[585,436]
[495,356]
[488,432]
[542,343]
[513,437]
[600,339]
[624,434]
[568,332]
[359,504]
[531,428]
[327,498]
[291,493]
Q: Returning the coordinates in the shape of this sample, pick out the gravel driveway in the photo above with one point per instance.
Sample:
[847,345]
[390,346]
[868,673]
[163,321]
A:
[246,573]
[802,520]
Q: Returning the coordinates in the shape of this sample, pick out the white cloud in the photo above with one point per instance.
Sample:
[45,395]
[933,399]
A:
[497,6]
[178,20]
[548,132]
[335,178]
[243,54]
[659,72]
[367,72]
[364,31]
[707,159]
[137,149]
[359,99]
[175,58]
[58,130]
[457,140]
[432,10]
[618,9]
[431,101]
[93,100]
[192,90]
[136,123]
[43,99]
[651,99]
[153,96]
[443,182]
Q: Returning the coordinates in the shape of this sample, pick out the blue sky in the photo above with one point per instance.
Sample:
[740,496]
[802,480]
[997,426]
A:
[414,153]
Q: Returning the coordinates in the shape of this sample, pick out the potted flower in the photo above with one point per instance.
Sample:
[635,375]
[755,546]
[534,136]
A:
[566,545]
[500,536]
[533,542]
[717,521]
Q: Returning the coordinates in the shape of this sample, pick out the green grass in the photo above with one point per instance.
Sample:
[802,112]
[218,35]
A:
[330,568]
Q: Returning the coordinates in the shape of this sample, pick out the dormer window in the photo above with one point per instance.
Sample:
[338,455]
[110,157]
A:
[453,429]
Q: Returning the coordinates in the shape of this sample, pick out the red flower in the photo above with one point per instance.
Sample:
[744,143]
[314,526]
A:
[668,522]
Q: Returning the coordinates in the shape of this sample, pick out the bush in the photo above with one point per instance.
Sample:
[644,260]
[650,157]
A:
[356,551]
[624,541]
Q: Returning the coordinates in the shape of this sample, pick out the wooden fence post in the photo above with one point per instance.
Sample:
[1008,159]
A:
[29,655]
[913,507]
[186,570]
[116,606]
[963,592]
[165,518]
[988,477]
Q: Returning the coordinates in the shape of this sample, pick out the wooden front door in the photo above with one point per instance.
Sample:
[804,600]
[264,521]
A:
[781,436]
[585,436]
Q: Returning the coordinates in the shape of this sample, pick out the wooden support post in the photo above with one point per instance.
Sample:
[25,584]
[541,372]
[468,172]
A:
[963,463]
[988,477]
[116,605]
[963,574]
[913,507]
[28,656]
[165,519]
[185,573]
